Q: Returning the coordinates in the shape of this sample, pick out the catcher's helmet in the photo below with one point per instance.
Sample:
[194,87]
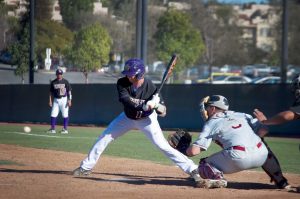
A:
[214,100]
[218,101]
[59,71]
[134,67]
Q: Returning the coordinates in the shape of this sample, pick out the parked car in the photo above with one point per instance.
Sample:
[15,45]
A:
[258,70]
[267,80]
[231,80]
[6,58]
[214,76]
[292,71]
[230,69]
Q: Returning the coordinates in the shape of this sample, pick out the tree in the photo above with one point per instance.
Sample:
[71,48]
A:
[123,31]
[75,12]
[20,48]
[218,25]
[3,23]
[294,29]
[91,48]
[43,9]
[51,34]
[175,34]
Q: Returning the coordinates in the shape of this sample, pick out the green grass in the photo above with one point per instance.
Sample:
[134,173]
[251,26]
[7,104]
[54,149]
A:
[133,145]
[8,162]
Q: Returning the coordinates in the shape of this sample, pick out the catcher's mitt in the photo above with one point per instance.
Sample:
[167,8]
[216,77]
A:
[180,140]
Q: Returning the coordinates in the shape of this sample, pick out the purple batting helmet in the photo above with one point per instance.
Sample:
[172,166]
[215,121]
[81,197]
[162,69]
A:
[59,71]
[134,67]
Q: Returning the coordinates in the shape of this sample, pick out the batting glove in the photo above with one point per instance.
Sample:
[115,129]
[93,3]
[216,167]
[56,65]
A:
[152,104]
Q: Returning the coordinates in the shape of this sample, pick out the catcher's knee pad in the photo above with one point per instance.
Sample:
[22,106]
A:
[208,171]
[272,168]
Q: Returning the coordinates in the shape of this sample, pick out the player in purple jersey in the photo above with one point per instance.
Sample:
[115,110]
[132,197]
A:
[141,106]
[60,99]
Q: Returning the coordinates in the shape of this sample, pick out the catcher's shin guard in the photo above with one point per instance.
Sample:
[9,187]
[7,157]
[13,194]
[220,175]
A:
[272,168]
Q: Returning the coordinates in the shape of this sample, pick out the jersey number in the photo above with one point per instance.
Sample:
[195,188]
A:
[62,91]
[138,114]
[236,127]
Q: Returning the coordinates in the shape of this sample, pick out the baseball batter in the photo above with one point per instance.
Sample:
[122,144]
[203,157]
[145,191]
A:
[60,99]
[242,148]
[140,101]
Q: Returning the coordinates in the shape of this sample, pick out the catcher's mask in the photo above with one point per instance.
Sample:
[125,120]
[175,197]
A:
[218,101]
[134,67]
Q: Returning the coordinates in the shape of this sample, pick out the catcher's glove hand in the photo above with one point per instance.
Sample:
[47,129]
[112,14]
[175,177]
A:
[180,140]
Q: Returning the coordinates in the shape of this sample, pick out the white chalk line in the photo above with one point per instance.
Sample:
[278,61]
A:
[48,136]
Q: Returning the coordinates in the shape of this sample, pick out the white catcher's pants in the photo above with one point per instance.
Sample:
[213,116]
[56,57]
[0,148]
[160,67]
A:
[232,161]
[150,127]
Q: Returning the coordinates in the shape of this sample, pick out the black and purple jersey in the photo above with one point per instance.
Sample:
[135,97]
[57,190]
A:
[60,88]
[133,98]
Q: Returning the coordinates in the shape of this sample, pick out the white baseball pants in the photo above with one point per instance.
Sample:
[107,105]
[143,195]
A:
[150,127]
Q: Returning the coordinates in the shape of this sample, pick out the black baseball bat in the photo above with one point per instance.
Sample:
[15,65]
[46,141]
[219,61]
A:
[168,71]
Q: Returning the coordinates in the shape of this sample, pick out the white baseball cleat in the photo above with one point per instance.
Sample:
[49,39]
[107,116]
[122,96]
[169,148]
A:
[195,176]
[51,131]
[81,172]
[64,131]
[211,183]
[290,188]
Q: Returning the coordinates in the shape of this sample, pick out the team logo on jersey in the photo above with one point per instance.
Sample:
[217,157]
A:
[137,102]
[59,86]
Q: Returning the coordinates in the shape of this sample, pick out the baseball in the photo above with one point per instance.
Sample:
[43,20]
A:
[27,129]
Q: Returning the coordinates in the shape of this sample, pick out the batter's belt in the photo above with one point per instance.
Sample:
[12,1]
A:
[241,148]
[59,97]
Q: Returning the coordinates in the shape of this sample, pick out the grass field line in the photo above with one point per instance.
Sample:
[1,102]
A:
[48,136]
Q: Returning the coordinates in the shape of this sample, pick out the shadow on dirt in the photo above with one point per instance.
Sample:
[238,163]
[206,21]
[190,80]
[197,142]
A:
[249,185]
[175,181]
[35,171]
[144,179]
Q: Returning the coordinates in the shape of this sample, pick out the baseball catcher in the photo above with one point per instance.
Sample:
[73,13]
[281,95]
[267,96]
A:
[180,140]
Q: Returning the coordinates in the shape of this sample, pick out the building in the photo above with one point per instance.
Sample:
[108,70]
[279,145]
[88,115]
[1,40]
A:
[258,22]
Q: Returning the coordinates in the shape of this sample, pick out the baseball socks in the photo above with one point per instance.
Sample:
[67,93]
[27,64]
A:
[53,122]
[65,129]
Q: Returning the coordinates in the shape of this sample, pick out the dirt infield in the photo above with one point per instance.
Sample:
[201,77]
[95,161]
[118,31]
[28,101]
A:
[46,174]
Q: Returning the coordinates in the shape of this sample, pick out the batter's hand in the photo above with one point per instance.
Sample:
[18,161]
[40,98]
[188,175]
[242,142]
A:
[259,115]
[155,98]
[152,104]
[50,104]
[69,103]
